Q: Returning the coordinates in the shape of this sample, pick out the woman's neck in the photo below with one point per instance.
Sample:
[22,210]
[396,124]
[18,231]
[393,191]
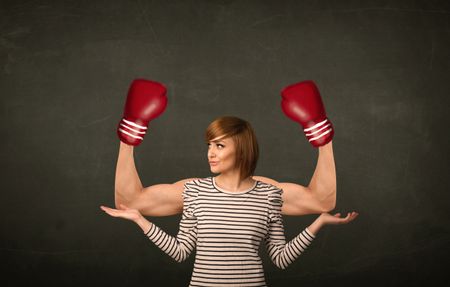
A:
[232,183]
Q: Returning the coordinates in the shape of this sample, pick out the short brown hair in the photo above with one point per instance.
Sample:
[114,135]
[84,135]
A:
[241,132]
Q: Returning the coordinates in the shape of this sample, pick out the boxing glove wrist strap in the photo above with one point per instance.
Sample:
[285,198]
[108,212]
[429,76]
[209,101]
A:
[132,129]
[318,130]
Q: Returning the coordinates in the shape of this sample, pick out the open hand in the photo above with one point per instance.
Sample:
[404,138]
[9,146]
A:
[123,212]
[327,218]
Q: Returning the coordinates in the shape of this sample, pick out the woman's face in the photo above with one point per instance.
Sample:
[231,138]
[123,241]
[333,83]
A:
[221,154]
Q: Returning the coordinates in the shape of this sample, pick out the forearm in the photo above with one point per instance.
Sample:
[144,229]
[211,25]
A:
[315,226]
[179,247]
[144,224]
[323,181]
[127,182]
[283,254]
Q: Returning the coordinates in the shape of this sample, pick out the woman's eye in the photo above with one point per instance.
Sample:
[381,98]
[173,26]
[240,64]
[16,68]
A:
[219,145]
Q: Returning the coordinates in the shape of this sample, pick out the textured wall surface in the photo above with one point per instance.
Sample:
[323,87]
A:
[383,71]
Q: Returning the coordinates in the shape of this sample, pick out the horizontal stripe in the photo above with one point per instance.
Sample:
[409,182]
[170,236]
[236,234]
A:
[316,125]
[128,134]
[131,129]
[321,135]
[134,124]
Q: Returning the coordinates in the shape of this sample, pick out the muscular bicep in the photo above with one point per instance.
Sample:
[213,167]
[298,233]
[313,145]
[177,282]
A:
[161,199]
[297,199]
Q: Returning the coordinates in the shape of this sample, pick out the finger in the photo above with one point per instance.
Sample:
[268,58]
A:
[345,219]
[112,212]
[117,214]
[104,208]
[337,214]
[107,208]
[353,216]
[350,220]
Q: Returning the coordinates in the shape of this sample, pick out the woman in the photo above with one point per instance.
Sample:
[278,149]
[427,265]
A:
[226,226]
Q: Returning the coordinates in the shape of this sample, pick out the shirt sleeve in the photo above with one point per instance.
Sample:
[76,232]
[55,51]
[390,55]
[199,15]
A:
[280,253]
[181,246]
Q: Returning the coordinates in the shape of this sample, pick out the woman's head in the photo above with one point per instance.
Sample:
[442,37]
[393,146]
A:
[232,144]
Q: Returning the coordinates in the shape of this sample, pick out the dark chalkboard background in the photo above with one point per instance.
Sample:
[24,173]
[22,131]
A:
[382,68]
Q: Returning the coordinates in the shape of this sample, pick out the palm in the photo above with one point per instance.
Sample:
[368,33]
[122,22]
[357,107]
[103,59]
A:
[124,212]
[337,219]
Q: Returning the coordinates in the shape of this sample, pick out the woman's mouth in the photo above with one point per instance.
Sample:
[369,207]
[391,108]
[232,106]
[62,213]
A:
[213,162]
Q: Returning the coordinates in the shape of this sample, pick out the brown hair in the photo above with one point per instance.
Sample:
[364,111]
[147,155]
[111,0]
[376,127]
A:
[241,132]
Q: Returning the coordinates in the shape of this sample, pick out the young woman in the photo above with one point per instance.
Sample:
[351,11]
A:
[226,225]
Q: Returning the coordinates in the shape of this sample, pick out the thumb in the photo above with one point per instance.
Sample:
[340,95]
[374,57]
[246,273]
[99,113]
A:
[123,206]
[337,214]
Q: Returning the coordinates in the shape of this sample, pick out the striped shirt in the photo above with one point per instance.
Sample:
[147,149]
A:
[226,228]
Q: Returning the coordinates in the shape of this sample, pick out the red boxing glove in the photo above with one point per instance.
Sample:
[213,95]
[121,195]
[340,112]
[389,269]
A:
[302,103]
[146,100]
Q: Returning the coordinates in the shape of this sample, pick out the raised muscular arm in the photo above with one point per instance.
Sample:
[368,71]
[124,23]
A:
[319,196]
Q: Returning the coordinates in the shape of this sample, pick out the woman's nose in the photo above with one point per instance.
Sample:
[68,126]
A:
[211,152]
